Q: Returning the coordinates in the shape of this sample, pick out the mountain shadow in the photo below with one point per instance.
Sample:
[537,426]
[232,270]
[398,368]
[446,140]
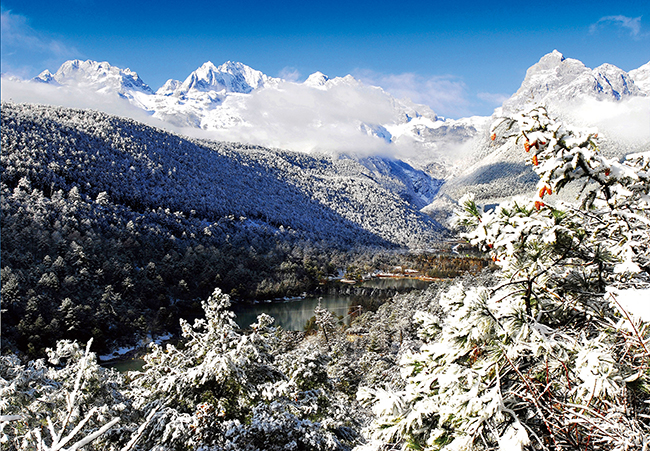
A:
[112,228]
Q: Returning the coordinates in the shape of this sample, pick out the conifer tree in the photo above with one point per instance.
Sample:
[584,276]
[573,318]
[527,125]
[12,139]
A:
[555,356]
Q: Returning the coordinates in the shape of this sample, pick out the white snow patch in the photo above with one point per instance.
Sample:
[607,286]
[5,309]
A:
[635,302]
[118,352]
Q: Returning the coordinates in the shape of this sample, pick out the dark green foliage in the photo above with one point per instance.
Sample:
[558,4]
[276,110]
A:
[111,229]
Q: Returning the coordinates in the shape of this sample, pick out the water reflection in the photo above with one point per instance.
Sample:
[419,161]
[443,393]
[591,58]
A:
[293,314]
[123,366]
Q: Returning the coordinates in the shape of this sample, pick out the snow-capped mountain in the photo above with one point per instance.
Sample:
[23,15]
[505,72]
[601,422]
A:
[234,102]
[97,76]
[556,79]
[193,102]
[169,88]
[317,80]
[614,101]
[641,77]
[229,77]
[229,97]
[244,104]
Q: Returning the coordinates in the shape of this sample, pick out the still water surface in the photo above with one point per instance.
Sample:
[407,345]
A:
[294,314]
[390,282]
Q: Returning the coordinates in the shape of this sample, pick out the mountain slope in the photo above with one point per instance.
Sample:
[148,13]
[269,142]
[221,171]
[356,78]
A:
[112,229]
[234,102]
[606,97]
[556,79]
[641,77]
[322,198]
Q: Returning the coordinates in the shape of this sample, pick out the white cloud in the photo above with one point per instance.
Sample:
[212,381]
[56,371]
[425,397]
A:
[626,121]
[291,116]
[630,24]
[289,73]
[23,46]
[294,116]
[21,91]
[445,94]
[302,118]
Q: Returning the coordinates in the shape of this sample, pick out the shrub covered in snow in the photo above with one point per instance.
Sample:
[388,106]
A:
[66,402]
[556,355]
[227,389]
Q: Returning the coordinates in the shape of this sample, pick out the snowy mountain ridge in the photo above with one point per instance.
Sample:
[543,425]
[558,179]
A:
[217,97]
[344,116]
[99,76]
[229,77]
[556,79]
[615,102]
[318,197]
[641,77]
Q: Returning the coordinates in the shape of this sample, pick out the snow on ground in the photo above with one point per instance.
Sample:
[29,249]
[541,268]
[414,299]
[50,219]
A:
[121,351]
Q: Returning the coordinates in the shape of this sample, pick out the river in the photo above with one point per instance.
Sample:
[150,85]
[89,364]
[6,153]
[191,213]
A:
[293,314]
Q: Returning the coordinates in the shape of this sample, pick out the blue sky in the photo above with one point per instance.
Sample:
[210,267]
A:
[459,57]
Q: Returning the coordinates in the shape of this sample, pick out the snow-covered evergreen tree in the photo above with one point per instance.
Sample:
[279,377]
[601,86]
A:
[227,389]
[64,403]
[556,355]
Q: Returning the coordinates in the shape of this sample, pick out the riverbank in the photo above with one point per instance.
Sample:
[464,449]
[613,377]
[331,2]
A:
[293,314]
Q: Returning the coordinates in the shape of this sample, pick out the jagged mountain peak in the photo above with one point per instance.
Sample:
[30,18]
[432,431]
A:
[317,80]
[234,66]
[549,61]
[99,75]
[552,69]
[321,81]
[556,79]
[45,77]
[348,79]
[169,87]
[614,81]
[229,77]
[72,68]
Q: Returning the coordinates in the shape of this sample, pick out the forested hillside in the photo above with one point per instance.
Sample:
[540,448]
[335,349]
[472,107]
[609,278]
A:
[549,352]
[110,227]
